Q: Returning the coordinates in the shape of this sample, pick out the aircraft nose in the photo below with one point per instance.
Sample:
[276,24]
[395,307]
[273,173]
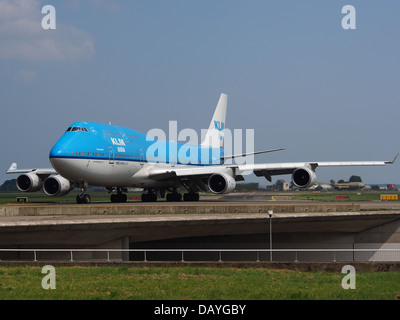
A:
[61,148]
[58,154]
[57,151]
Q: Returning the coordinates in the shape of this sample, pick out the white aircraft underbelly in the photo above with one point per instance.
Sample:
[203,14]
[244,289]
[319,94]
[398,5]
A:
[109,173]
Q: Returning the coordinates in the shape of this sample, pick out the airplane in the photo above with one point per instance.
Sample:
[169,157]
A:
[119,158]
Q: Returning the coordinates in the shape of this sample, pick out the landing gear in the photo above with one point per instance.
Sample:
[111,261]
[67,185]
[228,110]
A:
[83,198]
[152,195]
[191,196]
[149,197]
[119,197]
[174,196]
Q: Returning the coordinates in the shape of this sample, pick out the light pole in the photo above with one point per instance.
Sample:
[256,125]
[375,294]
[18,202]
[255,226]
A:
[270,213]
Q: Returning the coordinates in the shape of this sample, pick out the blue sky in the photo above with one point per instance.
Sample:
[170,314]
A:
[291,72]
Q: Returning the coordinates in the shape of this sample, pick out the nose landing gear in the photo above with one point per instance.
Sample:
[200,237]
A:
[83,198]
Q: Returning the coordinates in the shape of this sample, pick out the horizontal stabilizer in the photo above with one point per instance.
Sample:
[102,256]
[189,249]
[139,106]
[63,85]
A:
[13,167]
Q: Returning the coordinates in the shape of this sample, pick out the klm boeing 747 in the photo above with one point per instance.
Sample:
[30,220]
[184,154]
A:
[119,158]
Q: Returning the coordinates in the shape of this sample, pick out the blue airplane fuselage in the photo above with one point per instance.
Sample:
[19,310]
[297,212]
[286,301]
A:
[108,155]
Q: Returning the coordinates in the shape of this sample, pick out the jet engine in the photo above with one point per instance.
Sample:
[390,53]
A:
[29,182]
[221,183]
[56,185]
[304,178]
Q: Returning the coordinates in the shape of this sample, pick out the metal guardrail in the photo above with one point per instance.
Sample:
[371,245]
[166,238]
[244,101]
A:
[220,252]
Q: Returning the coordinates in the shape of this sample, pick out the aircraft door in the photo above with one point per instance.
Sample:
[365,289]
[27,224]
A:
[141,157]
[110,155]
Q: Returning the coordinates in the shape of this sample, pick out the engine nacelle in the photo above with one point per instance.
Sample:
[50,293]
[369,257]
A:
[304,178]
[56,185]
[221,183]
[29,182]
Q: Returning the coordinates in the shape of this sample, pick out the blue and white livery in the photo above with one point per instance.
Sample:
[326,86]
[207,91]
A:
[119,158]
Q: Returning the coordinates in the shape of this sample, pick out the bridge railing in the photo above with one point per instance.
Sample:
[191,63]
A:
[193,255]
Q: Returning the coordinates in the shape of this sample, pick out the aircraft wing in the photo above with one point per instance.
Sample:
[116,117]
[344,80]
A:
[40,172]
[264,169]
[270,169]
[182,172]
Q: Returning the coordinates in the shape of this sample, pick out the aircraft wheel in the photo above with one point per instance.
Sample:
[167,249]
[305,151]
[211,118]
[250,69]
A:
[118,198]
[174,197]
[149,197]
[83,199]
[86,199]
[191,196]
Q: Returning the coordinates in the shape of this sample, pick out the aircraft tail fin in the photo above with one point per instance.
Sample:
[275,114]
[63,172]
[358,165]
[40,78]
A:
[215,134]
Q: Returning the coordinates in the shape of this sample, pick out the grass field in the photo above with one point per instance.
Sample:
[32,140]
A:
[330,196]
[193,283]
[40,197]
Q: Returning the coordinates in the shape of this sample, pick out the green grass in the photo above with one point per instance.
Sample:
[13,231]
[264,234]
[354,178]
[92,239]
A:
[350,195]
[193,283]
[40,197]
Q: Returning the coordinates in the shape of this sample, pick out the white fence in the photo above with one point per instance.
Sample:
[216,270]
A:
[193,255]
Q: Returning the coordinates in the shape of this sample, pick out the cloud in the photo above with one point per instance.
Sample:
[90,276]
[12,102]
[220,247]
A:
[22,36]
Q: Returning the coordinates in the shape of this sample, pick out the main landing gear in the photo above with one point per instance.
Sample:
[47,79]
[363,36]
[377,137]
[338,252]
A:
[150,196]
[119,197]
[174,196]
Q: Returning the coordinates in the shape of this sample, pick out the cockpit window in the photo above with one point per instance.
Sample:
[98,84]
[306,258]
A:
[77,129]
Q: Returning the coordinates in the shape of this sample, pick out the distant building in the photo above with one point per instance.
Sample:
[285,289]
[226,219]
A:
[349,186]
[324,187]
[282,185]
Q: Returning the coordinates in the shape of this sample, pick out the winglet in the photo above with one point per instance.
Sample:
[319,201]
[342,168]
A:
[394,159]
